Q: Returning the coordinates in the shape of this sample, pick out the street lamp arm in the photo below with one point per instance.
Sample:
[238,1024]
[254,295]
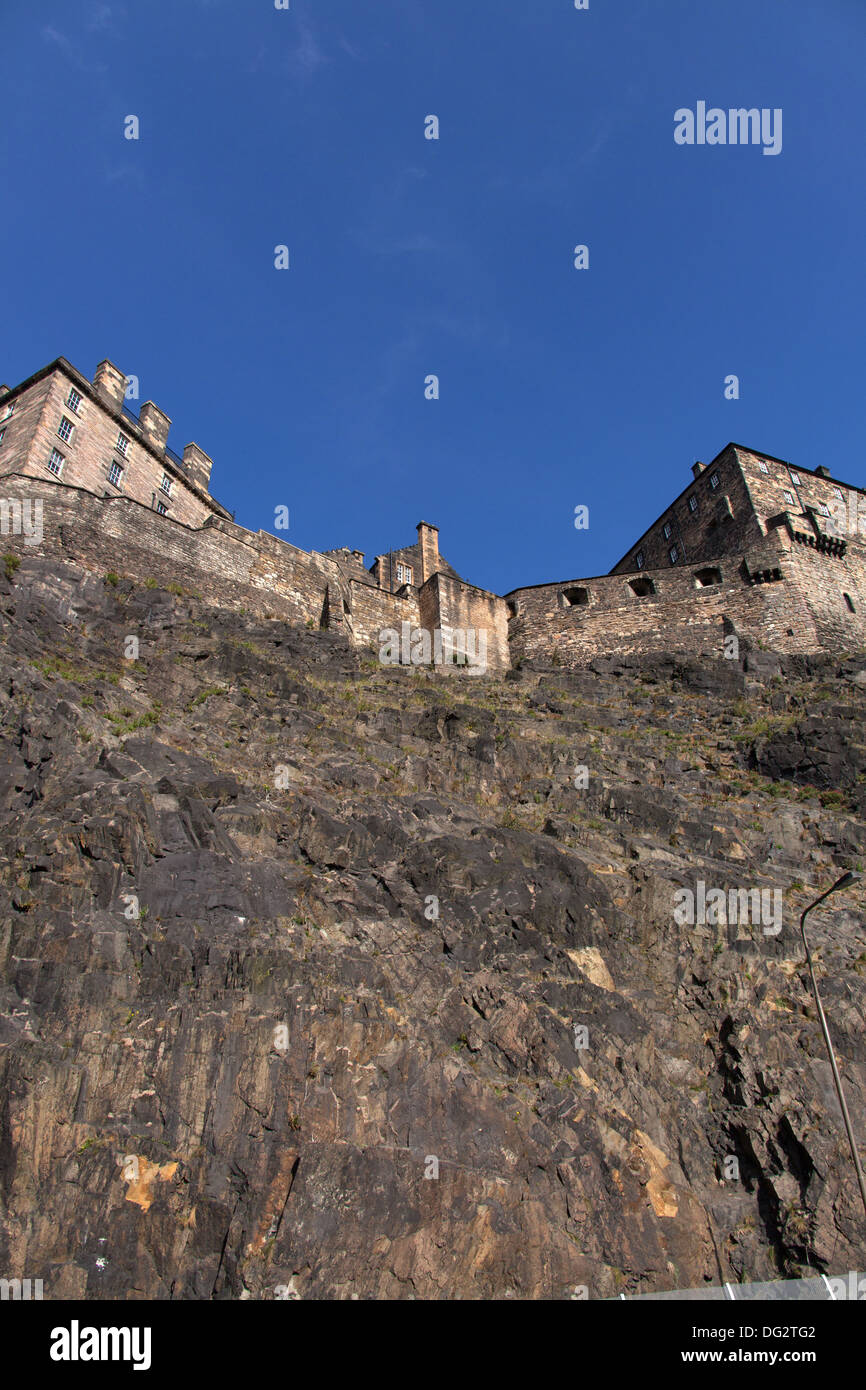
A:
[843,882]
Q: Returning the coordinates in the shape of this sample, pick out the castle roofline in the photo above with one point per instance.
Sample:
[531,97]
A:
[746,449]
[127,421]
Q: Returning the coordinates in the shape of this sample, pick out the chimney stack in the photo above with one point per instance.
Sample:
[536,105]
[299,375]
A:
[199,465]
[155,424]
[698,468]
[428,544]
[822,469]
[110,382]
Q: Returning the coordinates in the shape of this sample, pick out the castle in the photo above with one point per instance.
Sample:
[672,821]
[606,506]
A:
[751,547]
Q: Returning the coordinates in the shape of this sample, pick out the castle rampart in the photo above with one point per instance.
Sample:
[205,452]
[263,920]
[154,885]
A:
[752,546]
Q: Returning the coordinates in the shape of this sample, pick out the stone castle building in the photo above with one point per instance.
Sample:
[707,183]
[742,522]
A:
[752,546]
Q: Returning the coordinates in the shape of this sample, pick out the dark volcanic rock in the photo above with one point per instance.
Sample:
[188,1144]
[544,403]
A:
[320,980]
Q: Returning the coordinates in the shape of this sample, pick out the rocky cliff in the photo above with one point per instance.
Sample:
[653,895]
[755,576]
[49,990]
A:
[324,980]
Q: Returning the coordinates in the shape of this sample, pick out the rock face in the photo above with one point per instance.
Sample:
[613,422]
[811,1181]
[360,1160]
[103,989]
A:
[323,980]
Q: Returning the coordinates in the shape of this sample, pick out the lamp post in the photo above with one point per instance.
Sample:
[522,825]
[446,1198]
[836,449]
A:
[844,882]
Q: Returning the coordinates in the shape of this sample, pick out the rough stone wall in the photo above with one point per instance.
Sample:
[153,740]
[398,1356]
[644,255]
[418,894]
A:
[237,568]
[20,428]
[823,580]
[375,609]
[448,603]
[803,611]
[91,449]
[846,504]
[787,591]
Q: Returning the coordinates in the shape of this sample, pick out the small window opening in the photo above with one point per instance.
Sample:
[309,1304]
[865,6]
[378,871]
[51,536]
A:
[576,597]
[704,578]
[642,587]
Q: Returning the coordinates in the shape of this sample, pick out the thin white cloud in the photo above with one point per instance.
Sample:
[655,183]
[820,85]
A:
[73,51]
[307,56]
[101,17]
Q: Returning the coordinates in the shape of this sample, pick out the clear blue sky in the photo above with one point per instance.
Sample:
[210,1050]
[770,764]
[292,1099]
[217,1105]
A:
[558,387]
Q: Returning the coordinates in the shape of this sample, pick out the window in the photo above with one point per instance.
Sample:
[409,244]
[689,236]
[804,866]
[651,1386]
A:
[55,461]
[667,530]
[115,475]
[64,429]
[575,598]
[763,467]
[2,432]
[673,554]
[404,574]
[715,480]
[73,400]
[122,445]
[642,587]
[790,499]
[693,503]
[8,412]
[166,484]
[837,492]
[795,477]
[823,509]
[850,602]
[638,560]
[704,578]
[162,508]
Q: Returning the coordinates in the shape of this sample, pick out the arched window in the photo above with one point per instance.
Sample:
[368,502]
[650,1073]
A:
[642,587]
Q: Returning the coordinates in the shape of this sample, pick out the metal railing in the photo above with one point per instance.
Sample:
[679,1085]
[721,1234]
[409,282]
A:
[170,453]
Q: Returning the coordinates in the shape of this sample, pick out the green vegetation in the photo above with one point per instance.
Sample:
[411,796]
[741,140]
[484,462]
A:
[204,694]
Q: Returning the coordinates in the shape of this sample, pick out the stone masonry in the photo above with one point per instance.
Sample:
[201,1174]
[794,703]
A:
[753,547]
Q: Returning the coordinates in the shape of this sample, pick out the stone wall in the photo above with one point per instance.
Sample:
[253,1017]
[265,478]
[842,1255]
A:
[450,604]
[372,610]
[20,428]
[780,594]
[795,590]
[220,560]
[845,504]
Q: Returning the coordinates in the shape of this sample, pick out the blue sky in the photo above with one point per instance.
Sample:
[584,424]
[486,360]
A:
[408,256]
